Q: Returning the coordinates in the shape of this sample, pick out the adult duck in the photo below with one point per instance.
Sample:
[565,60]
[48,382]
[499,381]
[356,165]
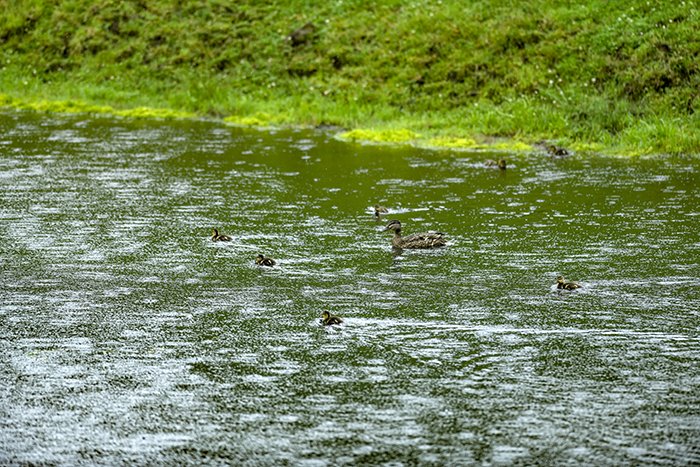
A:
[417,240]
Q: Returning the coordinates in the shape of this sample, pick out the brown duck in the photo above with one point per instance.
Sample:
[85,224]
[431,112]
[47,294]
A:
[417,240]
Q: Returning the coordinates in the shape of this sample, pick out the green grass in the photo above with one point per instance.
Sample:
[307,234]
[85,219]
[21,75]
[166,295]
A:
[601,76]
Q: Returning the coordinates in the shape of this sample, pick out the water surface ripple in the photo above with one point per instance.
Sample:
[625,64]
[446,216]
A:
[129,338]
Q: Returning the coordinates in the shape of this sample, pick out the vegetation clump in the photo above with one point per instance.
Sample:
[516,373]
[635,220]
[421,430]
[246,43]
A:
[622,76]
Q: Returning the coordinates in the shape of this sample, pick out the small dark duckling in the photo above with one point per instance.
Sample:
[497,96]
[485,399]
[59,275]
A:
[556,151]
[328,319]
[417,240]
[261,260]
[379,210]
[217,237]
[563,284]
[501,164]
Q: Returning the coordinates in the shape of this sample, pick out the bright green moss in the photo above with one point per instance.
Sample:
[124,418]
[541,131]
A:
[258,120]
[147,112]
[401,136]
[512,146]
[454,143]
[73,106]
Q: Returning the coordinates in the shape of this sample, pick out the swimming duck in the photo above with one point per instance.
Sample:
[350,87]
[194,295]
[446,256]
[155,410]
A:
[556,151]
[217,237]
[261,260]
[418,240]
[379,210]
[501,164]
[328,319]
[553,150]
[563,284]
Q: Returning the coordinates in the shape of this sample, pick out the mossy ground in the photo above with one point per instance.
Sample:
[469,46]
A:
[619,77]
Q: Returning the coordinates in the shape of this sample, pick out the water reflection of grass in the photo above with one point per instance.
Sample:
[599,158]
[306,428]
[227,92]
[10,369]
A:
[595,77]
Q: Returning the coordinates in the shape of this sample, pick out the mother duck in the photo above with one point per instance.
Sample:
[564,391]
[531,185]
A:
[417,240]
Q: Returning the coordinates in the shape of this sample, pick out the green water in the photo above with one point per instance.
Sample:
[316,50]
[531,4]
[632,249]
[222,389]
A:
[129,338]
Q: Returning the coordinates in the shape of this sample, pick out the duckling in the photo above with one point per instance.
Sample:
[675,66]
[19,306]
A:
[501,164]
[328,319]
[418,240]
[379,210]
[556,151]
[563,284]
[552,150]
[217,237]
[261,260]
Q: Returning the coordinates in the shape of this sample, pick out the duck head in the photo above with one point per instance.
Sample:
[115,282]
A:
[393,225]
[502,164]
[325,315]
[560,279]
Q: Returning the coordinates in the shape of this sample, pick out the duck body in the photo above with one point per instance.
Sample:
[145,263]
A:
[217,237]
[328,319]
[261,260]
[417,240]
[566,285]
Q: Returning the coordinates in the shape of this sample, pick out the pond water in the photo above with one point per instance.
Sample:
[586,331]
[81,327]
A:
[130,338]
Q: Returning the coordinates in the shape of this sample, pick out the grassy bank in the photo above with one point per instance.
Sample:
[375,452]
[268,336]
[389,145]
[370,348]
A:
[619,77]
